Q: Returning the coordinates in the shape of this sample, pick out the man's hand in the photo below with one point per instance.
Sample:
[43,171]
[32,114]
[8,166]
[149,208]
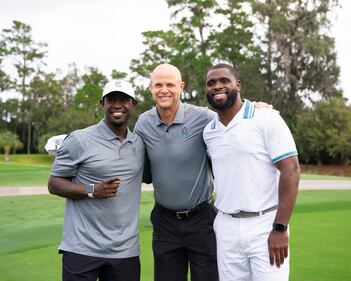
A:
[107,188]
[278,243]
[262,104]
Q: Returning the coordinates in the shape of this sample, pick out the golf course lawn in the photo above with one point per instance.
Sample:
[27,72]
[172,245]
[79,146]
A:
[35,170]
[30,231]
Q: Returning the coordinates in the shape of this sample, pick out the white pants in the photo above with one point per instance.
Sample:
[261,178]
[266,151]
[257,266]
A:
[242,249]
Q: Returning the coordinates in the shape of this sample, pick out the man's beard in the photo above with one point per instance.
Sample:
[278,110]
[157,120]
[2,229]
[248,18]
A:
[231,99]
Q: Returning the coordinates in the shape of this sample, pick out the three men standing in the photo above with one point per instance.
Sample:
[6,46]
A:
[247,148]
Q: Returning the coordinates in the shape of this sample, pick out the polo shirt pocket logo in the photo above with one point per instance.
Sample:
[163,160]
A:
[134,151]
[185,132]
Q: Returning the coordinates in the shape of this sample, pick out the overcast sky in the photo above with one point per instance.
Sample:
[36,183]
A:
[107,33]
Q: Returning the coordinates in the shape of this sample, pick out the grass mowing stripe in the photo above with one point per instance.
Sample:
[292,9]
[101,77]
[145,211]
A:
[30,238]
[322,177]
[23,212]
[10,166]
[320,246]
[24,174]
[24,247]
[41,264]
[29,159]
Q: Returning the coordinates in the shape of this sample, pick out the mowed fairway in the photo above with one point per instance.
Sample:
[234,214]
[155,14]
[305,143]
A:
[25,170]
[34,169]
[321,231]
[30,231]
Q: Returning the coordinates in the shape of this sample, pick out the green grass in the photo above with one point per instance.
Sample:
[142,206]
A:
[322,177]
[42,159]
[13,174]
[320,239]
[30,231]
[25,170]
[34,170]
[23,174]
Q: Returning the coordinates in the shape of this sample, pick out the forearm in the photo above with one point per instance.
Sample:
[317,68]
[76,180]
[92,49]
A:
[65,188]
[288,188]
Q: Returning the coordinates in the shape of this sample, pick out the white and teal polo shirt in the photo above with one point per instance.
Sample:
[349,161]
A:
[243,155]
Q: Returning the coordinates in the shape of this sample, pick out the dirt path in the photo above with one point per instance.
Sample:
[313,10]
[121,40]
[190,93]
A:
[304,185]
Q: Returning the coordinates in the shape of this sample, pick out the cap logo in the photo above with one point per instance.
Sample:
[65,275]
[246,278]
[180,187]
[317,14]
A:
[118,83]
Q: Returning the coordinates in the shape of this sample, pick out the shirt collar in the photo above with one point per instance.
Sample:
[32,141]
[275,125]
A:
[109,135]
[178,119]
[247,111]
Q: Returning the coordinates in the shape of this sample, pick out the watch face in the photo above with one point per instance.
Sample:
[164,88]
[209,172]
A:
[90,188]
[280,227]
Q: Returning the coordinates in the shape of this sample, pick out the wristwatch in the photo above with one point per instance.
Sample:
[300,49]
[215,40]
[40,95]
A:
[90,190]
[280,227]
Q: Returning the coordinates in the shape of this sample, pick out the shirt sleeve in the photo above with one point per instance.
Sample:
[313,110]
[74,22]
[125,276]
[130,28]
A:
[68,157]
[279,141]
[137,128]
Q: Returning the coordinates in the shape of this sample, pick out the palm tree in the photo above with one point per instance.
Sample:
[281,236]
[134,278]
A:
[9,140]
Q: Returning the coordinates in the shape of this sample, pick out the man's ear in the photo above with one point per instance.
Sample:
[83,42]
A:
[182,86]
[238,84]
[102,102]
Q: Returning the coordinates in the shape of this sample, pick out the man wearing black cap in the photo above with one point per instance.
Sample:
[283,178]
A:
[99,170]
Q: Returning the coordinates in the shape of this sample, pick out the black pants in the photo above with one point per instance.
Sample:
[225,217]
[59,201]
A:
[178,243]
[77,267]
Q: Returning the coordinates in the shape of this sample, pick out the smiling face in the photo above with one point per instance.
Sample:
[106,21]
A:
[117,109]
[222,88]
[166,86]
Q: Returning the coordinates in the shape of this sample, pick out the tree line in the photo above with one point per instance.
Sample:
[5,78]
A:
[283,50]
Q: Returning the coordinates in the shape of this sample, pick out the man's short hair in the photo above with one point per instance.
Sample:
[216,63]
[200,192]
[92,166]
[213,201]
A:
[227,66]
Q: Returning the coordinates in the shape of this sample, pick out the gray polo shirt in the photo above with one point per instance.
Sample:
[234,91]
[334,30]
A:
[102,227]
[177,153]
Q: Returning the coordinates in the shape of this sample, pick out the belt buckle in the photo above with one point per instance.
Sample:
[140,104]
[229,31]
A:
[181,213]
[244,214]
[237,215]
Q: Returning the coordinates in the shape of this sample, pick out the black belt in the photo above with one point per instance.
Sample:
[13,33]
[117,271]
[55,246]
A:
[244,214]
[185,214]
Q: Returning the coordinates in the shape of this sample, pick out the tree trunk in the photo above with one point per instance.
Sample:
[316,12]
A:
[344,159]
[29,140]
[7,152]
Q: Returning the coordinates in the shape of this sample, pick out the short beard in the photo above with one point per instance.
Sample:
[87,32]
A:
[231,99]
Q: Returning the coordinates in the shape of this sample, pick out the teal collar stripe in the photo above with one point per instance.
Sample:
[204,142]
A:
[283,156]
[249,109]
[213,125]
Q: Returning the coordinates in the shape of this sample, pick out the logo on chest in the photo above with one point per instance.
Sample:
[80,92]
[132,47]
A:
[185,132]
